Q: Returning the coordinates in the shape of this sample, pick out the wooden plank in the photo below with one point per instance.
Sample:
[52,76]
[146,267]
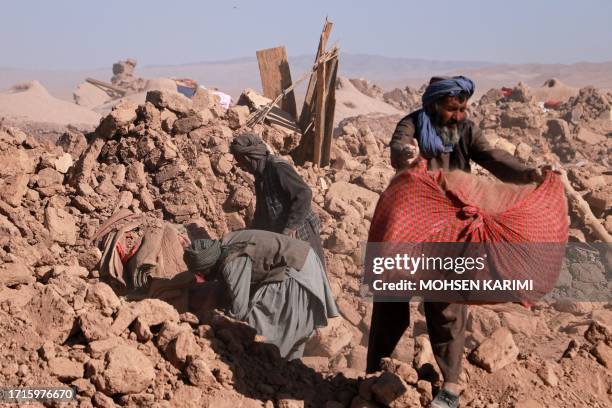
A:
[103,84]
[276,76]
[330,107]
[308,106]
[306,151]
[319,116]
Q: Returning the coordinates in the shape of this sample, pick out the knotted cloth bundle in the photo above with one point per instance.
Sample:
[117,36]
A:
[526,226]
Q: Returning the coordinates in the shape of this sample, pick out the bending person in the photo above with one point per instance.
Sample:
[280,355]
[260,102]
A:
[274,283]
[283,199]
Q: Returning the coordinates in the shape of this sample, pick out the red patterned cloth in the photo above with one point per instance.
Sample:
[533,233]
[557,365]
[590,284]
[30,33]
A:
[424,206]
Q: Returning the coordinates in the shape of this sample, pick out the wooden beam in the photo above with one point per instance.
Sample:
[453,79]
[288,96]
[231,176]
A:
[331,72]
[276,76]
[319,116]
[103,84]
[308,107]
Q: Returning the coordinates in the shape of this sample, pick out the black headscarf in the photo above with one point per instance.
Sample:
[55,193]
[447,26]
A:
[251,147]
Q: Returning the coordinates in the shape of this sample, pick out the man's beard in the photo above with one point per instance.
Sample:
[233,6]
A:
[449,134]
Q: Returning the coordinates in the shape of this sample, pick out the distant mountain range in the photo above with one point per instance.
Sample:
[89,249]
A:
[232,76]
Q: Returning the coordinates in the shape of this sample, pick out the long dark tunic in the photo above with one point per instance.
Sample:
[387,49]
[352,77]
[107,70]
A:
[472,145]
[283,201]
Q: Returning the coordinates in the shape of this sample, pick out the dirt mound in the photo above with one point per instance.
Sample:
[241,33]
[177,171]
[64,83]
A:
[30,102]
[350,101]
[554,90]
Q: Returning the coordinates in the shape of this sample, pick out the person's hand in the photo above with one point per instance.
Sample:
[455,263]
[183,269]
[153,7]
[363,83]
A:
[537,175]
[409,154]
[291,233]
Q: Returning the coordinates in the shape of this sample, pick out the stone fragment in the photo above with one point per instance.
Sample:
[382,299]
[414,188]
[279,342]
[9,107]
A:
[198,373]
[173,101]
[14,188]
[126,371]
[603,354]
[65,369]
[61,225]
[330,340]
[237,116]
[102,296]
[496,352]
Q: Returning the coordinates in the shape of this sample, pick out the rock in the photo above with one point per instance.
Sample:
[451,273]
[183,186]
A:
[48,177]
[198,373]
[573,307]
[496,352]
[61,225]
[153,312]
[317,363]
[349,193]
[222,164]
[588,272]
[339,242]
[405,371]
[50,315]
[173,101]
[126,371]
[181,348]
[16,273]
[603,354]
[14,188]
[290,403]
[599,201]
[84,387]
[237,116]
[329,341]
[547,375]
[102,401]
[187,124]
[135,173]
[357,358]
[523,151]
[392,391]
[503,144]
[16,161]
[589,137]
[94,326]
[240,198]
[122,115]
[73,143]
[424,360]
[102,296]
[63,163]
[65,369]
[520,323]
[376,178]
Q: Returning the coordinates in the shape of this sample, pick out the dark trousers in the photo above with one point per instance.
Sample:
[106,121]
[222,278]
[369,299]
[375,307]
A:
[446,324]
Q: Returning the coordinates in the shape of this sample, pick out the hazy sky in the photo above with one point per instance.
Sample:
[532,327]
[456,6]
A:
[77,34]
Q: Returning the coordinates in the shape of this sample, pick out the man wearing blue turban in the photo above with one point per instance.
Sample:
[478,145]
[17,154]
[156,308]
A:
[442,134]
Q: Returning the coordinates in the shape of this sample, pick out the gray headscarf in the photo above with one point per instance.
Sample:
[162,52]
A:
[202,255]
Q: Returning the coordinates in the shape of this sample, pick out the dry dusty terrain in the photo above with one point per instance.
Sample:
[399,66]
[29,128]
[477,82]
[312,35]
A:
[169,158]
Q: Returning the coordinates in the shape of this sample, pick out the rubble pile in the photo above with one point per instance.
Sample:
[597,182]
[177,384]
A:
[169,158]
[123,76]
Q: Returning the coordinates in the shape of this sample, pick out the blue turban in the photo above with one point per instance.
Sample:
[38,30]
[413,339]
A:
[430,143]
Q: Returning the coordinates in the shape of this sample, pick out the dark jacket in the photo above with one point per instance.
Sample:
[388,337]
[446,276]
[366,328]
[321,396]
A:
[283,198]
[471,146]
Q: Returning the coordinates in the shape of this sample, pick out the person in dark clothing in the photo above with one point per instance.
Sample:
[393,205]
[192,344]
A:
[442,134]
[274,283]
[283,199]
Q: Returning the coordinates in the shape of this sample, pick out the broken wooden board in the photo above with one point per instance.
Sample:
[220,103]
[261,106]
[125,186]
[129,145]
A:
[331,71]
[276,76]
[312,118]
